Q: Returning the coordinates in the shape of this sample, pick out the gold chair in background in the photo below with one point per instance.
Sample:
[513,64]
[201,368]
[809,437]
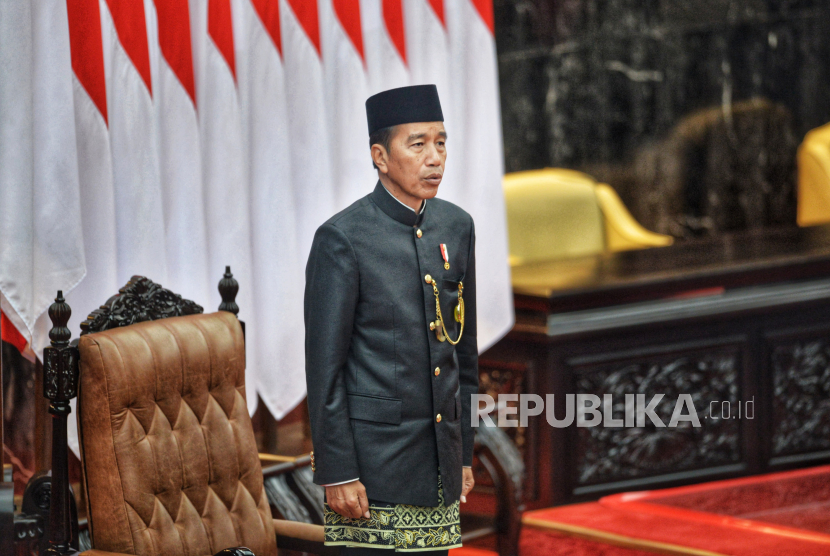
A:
[556,213]
[814,177]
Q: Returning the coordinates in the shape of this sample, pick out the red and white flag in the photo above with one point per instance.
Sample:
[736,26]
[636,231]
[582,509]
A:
[94,162]
[347,88]
[276,264]
[139,215]
[41,236]
[224,166]
[180,160]
[478,186]
[384,40]
[308,136]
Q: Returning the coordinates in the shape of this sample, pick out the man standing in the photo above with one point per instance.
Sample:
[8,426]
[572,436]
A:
[391,353]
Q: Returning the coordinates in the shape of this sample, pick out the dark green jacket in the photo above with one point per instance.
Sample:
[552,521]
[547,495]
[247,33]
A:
[371,358]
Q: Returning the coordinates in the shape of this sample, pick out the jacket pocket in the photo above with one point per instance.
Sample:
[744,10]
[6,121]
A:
[449,299]
[375,408]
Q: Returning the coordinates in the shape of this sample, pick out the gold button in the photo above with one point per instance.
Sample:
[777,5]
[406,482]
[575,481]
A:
[419,233]
[432,326]
[437,371]
[428,279]
[438,418]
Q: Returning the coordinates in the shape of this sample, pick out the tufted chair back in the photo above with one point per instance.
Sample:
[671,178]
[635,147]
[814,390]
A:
[169,458]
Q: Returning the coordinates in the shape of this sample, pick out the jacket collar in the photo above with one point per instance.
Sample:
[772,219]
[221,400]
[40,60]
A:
[395,209]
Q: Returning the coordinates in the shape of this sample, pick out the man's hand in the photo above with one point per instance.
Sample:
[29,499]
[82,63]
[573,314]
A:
[348,499]
[467,482]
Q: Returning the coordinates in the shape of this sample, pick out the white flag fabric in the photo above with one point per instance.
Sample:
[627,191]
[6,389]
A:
[180,159]
[41,237]
[311,175]
[479,185]
[224,168]
[94,160]
[276,263]
[347,88]
[133,142]
[384,43]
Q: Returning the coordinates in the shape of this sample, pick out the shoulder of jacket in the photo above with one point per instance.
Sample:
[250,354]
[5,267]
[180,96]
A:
[342,218]
[451,210]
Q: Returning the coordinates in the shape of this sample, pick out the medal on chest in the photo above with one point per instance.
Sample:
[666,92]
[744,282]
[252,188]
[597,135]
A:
[445,254]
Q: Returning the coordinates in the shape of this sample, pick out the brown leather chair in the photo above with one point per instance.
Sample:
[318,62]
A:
[169,460]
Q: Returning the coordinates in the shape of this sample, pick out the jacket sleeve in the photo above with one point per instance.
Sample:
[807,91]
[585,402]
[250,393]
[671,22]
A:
[331,295]
[467,350]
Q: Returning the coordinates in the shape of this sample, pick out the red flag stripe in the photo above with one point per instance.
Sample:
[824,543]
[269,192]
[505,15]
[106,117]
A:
[174,40]
[438,8]
[87,50]
[220,29]
[393,18]
[128,18]
[10,335]
[307,15]
[269,14]
[485,10]
[348,12]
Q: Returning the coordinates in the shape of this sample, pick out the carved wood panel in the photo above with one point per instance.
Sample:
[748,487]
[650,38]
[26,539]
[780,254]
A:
[605,454]
[801,396]
[509,378]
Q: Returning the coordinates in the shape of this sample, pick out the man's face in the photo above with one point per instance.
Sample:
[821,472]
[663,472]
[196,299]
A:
[415,160]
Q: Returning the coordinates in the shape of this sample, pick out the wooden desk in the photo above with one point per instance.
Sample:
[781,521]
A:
[742,318]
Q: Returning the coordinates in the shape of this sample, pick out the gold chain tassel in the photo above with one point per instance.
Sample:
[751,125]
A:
[459,313]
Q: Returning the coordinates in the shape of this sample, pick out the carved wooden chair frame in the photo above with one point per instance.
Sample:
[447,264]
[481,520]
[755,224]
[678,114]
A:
[48,522]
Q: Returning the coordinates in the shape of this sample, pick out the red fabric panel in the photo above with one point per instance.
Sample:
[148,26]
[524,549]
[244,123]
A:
[485,10]
[128,17]
[438,8]
[220,29]
[348,12]
[393,18]
[87,50]
[9,333]
[269,14]
[306,12]
[174,39]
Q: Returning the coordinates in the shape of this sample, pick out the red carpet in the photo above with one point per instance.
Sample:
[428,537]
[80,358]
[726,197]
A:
[781,514]
[534,542]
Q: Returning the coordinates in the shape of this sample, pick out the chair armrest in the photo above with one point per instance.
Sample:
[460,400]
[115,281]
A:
[299,530]
[303,537]
[277,465]
[623,232]
[94,552]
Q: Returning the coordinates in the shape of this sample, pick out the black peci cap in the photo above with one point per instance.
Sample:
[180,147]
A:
[417,103]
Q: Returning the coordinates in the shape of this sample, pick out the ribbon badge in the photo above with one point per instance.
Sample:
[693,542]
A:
[446,256]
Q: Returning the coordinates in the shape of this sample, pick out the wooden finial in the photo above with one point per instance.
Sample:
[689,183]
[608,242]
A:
[60,362]
[59,313]
[228,288]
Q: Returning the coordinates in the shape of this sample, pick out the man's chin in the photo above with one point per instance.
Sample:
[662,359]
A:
[429,190]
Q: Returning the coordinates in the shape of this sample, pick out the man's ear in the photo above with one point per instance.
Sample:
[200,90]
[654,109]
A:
[380,157]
